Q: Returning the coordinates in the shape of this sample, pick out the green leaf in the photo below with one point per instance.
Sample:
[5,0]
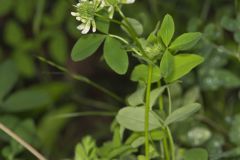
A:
[11,122]
[25,63]
[140,73]
[58,47]
[167,64]
[27,130]
[117,136]
[137,26]
[55,89]
[234,132]
[237,37]
[86,46]
[141,157]
[8,77]
[233,153]
[132,118]
[167,29]
[217,78]
[116,152]
[87,149]
[183,63]
[229,24]
[182,113]
[196,154]
[204,134]
[13,33]
[192,95]
[24,10]
[154,95]
[137,98]
[59,12]
[102,25]
[26,100]
[185,41]
[138,142]
[23,128]
[115,56]
[49,127]
[5,7]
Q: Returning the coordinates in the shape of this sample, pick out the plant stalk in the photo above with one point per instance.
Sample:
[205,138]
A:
[132,32]
[22,142]
[165,146]
[169,101]
[171,143]
[147,110]
[160,100]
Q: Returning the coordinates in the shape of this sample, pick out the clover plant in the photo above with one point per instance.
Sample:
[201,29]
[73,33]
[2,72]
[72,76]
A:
[164,59]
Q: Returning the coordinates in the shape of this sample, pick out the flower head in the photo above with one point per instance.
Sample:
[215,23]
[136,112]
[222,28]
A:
[152,46]
[85,13]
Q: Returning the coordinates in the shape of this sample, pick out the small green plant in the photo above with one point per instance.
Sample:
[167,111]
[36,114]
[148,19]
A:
[163,61]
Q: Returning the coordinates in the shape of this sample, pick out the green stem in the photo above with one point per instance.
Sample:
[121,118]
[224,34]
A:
[119,38]
[95,104]
[109,19]
[38,16]
[167,128]
[126,42]
[161,156]
[82,79]
[132,32]
[129,28]
[165,146]
[160,102]
[147,110]
[171,143]
[169,101]
[88,113]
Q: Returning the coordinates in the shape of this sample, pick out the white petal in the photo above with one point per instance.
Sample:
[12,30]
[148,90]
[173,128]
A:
[74,13]
[83,20]
[86,27]
[81,26]
[78,18]
[103,3]
[94,27]
[130,1]
[110,8]
[111,12]
[127,1]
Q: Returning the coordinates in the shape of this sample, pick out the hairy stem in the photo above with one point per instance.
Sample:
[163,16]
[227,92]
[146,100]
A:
[83,79]
[147,109]
[22,142]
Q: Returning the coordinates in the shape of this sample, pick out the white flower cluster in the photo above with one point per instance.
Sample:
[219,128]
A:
[86,10]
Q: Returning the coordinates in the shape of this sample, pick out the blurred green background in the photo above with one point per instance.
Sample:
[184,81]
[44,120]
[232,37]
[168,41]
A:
[32,93]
